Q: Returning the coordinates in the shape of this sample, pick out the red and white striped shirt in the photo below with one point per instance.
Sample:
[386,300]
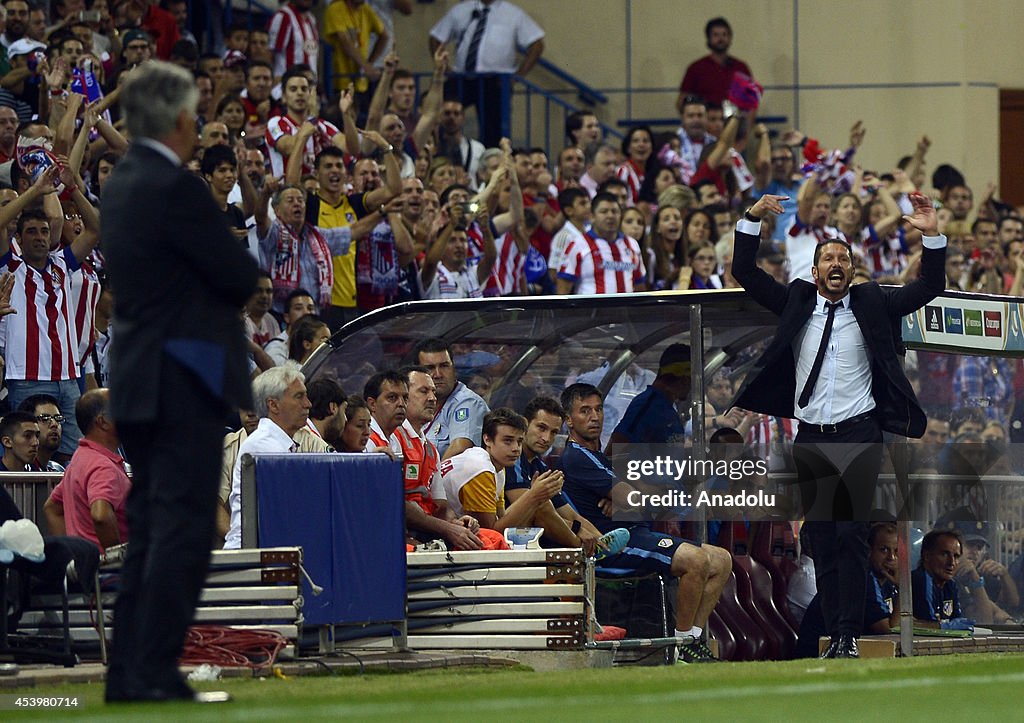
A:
[280,126]
[294,39]
[596,266]
[632,177]
[41,341]
[508,268]
[85,295]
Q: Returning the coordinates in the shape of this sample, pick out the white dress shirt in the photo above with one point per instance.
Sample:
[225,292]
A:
[843,389]
[267,439]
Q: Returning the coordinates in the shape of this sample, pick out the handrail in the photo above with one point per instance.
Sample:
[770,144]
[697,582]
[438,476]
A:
[587,94]
[549,99]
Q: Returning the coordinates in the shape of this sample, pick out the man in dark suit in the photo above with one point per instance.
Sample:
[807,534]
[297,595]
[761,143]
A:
[178,365]
[834,365]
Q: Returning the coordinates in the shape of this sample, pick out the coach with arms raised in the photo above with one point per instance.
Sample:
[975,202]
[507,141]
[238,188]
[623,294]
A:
[834,365]
[178,365]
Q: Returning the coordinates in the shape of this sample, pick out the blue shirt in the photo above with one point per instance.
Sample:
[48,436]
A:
[588,479]
[652,418]
[782,223]
[932,602]
[521,475]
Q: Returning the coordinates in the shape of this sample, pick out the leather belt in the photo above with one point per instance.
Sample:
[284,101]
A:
[839,426]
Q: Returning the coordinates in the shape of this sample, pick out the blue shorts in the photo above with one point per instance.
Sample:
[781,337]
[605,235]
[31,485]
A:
[647,551]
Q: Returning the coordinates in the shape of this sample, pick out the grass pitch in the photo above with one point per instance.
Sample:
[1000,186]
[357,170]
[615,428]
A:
[955,687]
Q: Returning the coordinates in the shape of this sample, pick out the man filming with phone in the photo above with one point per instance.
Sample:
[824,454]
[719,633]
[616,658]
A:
[445,273]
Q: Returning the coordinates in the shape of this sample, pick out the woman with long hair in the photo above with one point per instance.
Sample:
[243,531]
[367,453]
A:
[665,248]
[307,334]
[357,427]
[231,113]
[638,148]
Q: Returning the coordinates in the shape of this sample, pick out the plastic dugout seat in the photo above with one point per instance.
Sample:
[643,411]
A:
[767,548]
[718,630]
[750,639]
[754,590]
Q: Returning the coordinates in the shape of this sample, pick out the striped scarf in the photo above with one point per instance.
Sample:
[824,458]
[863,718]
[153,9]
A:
[286,267]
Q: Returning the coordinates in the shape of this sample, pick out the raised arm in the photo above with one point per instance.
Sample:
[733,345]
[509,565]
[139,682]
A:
[250,196]
[483,269]
[805,199]
[348,139]
[64,132]
[82,140]
[762,157]
[917,160]
[379,101]
[725,142]
[892,216]
[425,126]
[82,246]
[392,172]
[443,228]
[293,171]
[263,222]
[514,216]
[42,187]
[768,292]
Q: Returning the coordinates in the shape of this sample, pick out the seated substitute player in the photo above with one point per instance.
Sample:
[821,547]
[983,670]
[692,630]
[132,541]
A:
[474,480]
[881,603]
[936,598]
[563,525]
[702,569]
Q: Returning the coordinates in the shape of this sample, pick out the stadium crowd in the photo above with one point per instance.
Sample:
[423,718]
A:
[370,193]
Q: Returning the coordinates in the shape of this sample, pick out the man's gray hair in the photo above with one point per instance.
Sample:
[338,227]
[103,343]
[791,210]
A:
[275,199]
[153,97]
[272,384]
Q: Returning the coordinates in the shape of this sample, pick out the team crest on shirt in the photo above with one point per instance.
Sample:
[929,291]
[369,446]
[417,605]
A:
[350,217]
[461,415]
[57,275]
[947,608]
[666,542]
[412,471]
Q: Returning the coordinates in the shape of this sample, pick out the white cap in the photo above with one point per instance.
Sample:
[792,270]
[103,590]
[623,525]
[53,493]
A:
[24,46]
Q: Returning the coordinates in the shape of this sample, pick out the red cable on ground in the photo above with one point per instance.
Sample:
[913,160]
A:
[229,647]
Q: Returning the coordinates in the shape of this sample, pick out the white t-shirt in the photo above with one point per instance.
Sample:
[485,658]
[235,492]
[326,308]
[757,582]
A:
[461,469]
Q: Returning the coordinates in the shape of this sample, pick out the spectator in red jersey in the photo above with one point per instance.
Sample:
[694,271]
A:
[293,37]
[260,324]
[41,342]
[604,261]
[299,99]
[711,76]
[90,501]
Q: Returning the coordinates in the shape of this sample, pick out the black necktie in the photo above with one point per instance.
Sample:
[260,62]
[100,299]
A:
[474,42]
[805,395]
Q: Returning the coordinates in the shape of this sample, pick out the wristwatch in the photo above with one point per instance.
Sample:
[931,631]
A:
[752,219]
[976,584]
[390,149]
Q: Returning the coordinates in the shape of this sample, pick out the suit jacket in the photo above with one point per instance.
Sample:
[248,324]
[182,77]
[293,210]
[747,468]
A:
[180,280]
[770,387]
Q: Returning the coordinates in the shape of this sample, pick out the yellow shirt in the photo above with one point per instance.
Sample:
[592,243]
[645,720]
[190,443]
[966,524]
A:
[358,24]
[343,293]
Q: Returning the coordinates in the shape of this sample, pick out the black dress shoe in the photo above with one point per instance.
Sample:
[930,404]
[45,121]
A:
[830,651]
[847,647]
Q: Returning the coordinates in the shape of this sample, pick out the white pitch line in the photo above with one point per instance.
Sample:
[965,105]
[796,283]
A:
[229,711]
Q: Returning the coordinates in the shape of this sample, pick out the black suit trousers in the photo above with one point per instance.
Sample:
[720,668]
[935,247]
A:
[176,463]
[838,474]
